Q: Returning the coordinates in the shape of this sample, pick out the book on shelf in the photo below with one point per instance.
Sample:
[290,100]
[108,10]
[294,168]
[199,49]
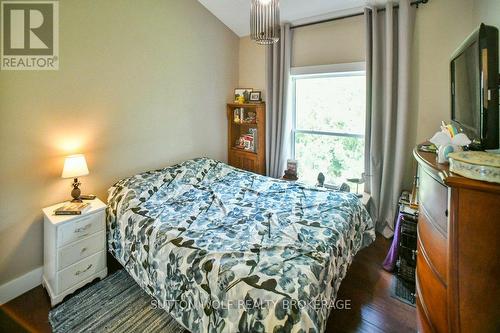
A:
[248,141]
[253,132]
[73,208]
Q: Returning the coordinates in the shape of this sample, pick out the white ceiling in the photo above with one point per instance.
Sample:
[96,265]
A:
[236,13]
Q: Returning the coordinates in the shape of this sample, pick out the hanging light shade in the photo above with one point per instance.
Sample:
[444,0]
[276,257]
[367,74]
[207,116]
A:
[265,21]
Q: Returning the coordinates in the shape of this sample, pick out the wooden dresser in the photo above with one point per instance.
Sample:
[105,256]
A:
[458,264]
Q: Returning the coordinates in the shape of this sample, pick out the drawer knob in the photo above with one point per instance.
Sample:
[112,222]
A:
[84,249]
[85,228]
[86,269]
[78,230]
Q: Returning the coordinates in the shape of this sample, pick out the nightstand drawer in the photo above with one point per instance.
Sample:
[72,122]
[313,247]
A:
[81,228]
[76,273]
[75,252]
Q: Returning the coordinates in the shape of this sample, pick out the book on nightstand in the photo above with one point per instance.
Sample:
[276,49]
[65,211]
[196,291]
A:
[72,208]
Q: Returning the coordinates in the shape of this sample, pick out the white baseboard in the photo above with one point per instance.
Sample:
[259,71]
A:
[20,285]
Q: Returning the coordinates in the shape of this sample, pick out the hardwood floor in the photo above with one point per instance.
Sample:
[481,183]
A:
[366,288]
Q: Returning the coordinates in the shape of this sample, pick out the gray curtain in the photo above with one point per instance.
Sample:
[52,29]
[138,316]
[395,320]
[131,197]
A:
[278,120]
[388,143]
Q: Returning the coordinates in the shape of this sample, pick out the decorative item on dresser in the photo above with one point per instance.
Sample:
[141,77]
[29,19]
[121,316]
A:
[457,261]
[246,129]
[74,249]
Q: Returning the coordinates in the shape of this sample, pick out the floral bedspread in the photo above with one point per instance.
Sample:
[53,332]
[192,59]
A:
[224,250]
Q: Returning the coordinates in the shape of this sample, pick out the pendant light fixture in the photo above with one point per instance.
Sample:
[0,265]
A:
[265,21]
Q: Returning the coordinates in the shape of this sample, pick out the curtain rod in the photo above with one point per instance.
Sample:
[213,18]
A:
[413,3]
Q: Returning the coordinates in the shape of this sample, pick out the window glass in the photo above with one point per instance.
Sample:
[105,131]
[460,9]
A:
[330,126]
[335,104]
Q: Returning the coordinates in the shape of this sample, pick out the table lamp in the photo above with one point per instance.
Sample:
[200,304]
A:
[74,167]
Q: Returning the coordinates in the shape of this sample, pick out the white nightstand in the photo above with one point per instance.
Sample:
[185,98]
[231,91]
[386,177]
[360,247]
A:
[74,249]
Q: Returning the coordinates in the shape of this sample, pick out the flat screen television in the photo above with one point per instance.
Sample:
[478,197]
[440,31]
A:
[474,88]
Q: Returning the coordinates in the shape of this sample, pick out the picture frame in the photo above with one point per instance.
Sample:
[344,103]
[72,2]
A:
[255,96]
[245,92]
[291,166]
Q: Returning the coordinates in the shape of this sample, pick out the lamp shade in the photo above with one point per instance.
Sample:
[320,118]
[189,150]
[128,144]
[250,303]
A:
[265,21]
[75,166]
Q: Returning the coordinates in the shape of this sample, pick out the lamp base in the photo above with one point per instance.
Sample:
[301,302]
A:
[76,192]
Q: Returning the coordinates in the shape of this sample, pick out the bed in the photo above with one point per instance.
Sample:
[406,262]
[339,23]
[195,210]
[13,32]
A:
[225,250]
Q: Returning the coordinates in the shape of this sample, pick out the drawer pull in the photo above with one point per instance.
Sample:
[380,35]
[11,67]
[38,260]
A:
[78,230]
[83,250]
[86,269]
[446,213]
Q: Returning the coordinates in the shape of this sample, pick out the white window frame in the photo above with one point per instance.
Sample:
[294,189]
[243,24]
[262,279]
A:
[310,72]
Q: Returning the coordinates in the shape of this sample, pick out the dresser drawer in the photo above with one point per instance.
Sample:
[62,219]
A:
[433,198]
[76,273]
[75,252]
[80,228]
[422,321]
[434,246]
[432,294]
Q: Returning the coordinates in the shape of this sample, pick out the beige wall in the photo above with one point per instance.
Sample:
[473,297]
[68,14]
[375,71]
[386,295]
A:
[335,42]
[488,12]
[330,43]
[441,26]
[252,66]
[141,85]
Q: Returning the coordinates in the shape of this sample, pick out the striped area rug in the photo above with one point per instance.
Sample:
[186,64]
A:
[115,304]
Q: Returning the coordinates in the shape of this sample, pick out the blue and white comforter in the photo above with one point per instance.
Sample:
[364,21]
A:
[224,250]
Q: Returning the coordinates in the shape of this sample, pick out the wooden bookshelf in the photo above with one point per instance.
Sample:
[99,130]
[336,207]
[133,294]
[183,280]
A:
[250,160]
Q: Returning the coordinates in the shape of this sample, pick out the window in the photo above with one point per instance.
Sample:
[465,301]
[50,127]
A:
[329,121]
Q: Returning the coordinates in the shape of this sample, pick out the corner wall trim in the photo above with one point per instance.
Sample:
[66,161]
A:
[20,285]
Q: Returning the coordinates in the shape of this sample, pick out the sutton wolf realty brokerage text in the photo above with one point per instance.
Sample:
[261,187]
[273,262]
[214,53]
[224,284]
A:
[30,35]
